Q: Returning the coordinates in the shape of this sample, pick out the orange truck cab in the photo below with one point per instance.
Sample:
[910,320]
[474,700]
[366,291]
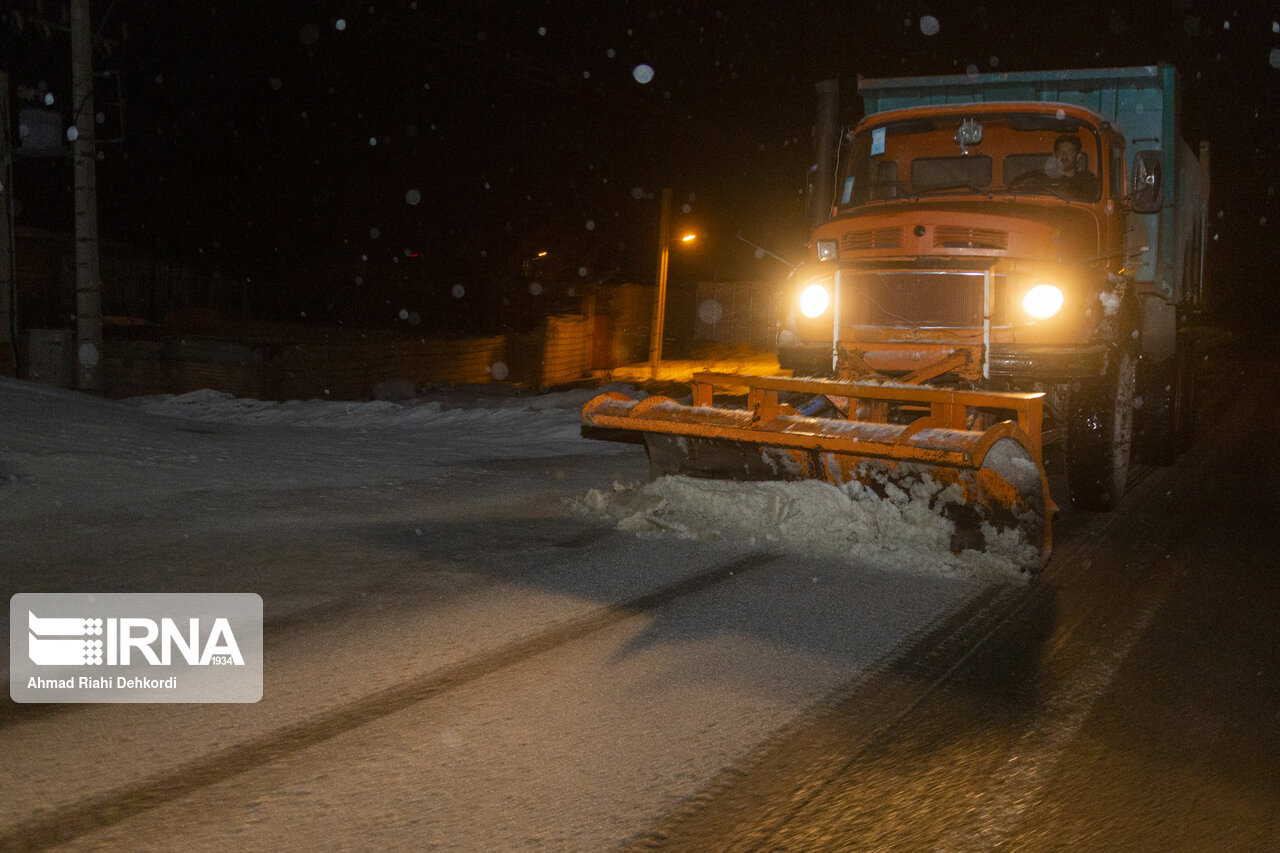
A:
[1039,231]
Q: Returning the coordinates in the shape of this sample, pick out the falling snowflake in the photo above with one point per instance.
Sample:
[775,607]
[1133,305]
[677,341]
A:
[929,25]
[89,353]
[643,73]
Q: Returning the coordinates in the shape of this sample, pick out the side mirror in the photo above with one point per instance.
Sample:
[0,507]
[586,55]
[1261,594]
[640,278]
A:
[811,212]
[1147,191]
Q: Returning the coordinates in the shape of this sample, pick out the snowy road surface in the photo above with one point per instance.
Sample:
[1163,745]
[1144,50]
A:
[464,651]
[459,654]
[1129,700]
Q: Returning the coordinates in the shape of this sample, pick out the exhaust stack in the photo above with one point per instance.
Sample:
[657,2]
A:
[822,190]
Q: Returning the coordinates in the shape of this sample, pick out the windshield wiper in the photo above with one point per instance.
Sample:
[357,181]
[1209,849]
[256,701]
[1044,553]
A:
[949,187]
[1045,189]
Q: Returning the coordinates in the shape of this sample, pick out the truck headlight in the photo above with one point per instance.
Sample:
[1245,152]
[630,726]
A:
[827,250]
[1042,301]
[814,301]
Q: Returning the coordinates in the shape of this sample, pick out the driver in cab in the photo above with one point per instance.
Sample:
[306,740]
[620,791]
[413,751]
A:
[1080,184]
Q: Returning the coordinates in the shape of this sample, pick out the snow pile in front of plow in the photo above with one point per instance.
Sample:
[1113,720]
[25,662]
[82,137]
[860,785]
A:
[902,531]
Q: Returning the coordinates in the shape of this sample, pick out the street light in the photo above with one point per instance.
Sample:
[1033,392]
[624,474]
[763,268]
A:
[660,297]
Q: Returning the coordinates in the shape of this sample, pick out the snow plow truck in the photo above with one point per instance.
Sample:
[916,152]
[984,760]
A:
[997,263]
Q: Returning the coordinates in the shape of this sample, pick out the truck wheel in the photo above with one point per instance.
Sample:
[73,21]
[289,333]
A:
[1184,394]
[1099,438]
[1165,424]
[1153,421]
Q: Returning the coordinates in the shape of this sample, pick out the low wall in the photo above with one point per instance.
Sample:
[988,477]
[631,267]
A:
[558,353]
[342,369]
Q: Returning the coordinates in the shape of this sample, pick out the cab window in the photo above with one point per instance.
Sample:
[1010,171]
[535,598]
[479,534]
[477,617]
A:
[1116,171]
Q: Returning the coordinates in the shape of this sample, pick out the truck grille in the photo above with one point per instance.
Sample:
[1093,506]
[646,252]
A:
[880,238]
[910,298]
[950,237]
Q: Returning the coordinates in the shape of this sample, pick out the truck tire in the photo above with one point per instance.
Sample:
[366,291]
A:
[1184,396]
[1100,437]
[1165,424]
[1153,417]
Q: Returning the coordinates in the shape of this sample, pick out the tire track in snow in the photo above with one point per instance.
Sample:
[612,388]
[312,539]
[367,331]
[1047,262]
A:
[780,786]
[1038,752]
[833,735]
[120,804]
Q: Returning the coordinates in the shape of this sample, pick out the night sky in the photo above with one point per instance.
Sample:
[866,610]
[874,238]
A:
[367,157]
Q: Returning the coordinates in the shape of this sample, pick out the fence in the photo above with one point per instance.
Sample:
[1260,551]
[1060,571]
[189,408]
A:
[738,313]
[344,369]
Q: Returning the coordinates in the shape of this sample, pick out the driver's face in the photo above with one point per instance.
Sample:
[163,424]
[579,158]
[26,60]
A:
[1067,154]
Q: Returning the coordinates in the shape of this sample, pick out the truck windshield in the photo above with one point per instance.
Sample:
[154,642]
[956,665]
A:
[1005,154]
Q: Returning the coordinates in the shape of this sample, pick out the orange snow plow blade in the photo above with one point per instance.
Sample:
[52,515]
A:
[997,470]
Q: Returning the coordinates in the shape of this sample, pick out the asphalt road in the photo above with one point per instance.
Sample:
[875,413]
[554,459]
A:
[458,661]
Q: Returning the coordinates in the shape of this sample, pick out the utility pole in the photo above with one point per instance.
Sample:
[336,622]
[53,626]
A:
[84,156]
[8,341]
[660,296]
